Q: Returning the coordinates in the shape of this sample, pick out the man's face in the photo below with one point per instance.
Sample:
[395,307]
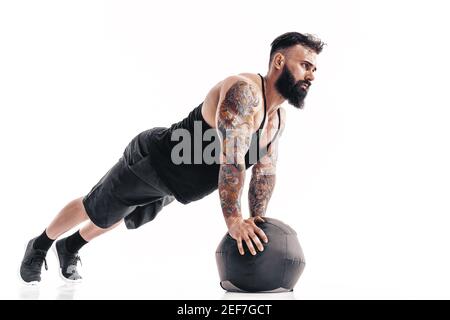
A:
[297,75]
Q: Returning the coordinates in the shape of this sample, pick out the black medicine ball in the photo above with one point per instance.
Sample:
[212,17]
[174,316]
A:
[276,269]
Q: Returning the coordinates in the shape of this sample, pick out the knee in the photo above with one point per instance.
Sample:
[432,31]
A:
[78,205]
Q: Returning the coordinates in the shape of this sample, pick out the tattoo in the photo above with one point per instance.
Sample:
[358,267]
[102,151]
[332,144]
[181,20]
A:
[263,179]
[235,126]
[259,192]
[231,180]
[235,120]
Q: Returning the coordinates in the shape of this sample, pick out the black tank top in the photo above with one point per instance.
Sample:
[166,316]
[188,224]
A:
[197,177]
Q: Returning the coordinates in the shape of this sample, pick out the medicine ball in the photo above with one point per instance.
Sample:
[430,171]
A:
[276,269]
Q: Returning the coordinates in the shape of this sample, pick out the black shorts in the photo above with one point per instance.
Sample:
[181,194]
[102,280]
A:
[130,190]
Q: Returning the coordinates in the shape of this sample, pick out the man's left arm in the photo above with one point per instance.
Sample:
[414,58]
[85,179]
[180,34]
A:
[263,178]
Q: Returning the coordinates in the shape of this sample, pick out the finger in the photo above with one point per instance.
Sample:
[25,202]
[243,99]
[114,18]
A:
[259,218]
[257,242]
[250,246]
[240,246]
[261,234]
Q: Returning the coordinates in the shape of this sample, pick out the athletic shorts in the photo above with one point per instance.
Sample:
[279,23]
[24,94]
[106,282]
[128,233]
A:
[130,190]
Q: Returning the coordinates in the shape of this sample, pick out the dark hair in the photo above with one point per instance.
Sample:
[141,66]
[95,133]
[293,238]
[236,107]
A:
[290,39]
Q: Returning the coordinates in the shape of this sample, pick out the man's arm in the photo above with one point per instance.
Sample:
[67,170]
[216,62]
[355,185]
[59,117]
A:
[261,186]
[237,108]
[263,178]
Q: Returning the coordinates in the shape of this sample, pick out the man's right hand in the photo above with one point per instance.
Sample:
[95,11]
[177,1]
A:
[247,230]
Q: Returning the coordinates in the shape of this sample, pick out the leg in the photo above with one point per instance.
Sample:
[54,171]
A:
[67,249]
[70,216]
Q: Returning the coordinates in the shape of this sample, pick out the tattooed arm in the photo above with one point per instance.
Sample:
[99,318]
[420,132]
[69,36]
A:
[261,187]
[237,107]
[263,178]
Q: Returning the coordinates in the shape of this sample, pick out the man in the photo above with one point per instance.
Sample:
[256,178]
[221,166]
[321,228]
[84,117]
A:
[234,128]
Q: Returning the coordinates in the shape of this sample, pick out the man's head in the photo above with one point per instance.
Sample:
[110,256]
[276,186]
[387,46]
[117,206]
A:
[293,62]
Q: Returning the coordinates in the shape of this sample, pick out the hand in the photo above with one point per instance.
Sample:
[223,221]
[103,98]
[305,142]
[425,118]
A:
[246,230]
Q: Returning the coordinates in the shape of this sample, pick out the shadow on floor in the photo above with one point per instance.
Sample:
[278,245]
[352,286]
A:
[258,296]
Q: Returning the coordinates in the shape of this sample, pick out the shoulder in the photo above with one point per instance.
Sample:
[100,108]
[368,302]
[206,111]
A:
[239,90]
[239,84]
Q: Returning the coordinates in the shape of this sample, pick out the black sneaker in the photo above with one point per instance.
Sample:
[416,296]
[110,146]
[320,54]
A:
[31,266]
[67,262]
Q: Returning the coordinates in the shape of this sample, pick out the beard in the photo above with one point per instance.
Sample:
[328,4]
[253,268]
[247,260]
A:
[291,90]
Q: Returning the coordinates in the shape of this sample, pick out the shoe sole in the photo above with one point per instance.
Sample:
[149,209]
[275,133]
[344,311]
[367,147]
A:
[31,283]
[60,269]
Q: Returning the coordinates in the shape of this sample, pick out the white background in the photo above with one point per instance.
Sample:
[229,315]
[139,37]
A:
[363,171]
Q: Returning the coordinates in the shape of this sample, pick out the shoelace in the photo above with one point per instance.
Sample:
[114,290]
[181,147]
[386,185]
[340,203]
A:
[73,260]
[39,259]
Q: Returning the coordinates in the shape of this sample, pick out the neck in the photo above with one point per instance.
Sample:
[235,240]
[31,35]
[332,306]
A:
[273,98]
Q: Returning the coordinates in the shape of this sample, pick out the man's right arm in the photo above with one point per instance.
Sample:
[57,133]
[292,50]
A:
[237,108]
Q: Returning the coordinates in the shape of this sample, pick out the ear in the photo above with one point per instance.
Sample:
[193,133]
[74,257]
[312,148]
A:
[278,60]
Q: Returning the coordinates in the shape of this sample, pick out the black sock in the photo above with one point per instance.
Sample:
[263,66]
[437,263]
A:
[75,242]
[43,242]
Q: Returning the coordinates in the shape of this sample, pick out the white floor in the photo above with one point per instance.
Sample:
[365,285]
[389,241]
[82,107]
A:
[100,289]
[163,280]
[150,263]
[71,292]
